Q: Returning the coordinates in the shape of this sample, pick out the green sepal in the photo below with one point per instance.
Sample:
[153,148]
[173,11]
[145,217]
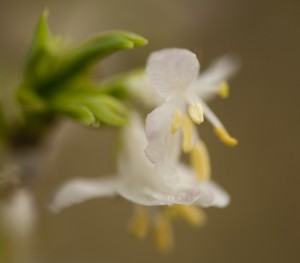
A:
[56,82]
[90,108]
[79,113]
[81,58]
[111,111]
[117,86]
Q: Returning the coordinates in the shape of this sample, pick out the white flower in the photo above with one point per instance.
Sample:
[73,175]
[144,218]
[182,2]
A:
[138,181]
[174,75]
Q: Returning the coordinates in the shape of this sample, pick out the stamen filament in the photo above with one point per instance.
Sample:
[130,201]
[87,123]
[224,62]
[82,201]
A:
[200,161]
[224,90]
[219,127]
[225,137]
[140,223]
[187,141]
[163,234]
[177,121]
[193,215]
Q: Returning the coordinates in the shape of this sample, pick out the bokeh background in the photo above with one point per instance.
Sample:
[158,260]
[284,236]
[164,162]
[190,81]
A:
[261,174]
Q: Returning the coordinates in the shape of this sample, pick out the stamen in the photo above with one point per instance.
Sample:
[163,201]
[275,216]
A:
[196,112]
[193,215]
[225,137]
[200,161]
[187,141]
[224,90]
[163,234]
[140,223]
[177,121]
[219,127]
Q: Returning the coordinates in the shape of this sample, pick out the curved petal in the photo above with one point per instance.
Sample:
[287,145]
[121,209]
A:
[158,127]
[212,195]
[138,195]
[170,70]
[182,197]
[79,190]
[150,195]
[208,84]
[134,140]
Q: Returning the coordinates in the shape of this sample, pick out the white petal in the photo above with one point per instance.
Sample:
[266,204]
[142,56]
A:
[158,128]
[134,140]
[138,195]
[182,197]
[212,195]
[207,85]
[80,190]
[157,194]
[170,70]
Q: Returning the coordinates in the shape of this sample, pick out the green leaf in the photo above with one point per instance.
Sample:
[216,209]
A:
[82,57]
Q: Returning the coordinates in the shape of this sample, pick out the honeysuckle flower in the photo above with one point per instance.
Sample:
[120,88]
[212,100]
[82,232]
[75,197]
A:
[174,75]
[138,181]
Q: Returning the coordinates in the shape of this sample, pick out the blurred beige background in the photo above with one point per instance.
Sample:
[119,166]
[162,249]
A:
[261,174]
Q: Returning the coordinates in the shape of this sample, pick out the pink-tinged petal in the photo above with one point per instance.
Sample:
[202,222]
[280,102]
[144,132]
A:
[156,195]
[158,122]
[210,194]
[182,197]
[138,195]
[155,152]
[80,190]
[158,128]
[171,70]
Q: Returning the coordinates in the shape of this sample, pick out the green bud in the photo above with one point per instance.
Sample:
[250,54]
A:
[55,78]
[104,108]
[81,58]
[79,113]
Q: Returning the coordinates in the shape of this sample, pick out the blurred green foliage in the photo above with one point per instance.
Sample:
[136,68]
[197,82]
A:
[56,79]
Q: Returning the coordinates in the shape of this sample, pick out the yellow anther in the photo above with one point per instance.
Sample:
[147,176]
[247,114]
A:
[200,161]
[177,121]
[140,223]
[191,214]
[196,112]
[163,234]
[224,90]
[188,140]
[225,137]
